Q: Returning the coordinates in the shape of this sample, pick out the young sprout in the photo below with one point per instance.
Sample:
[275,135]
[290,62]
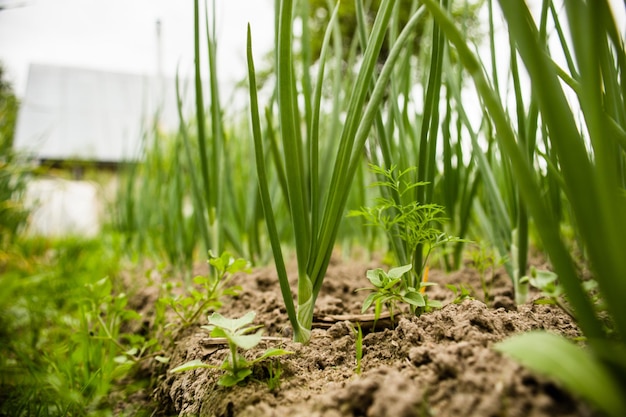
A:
[410,225]
[391,288]
[358,346]
[239,335]
[214,287]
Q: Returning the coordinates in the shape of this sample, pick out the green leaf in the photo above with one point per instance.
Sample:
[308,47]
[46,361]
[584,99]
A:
[238,265]
[194,364]
[230,380]
[542,279]
[272,352]
[368,301]
[373,275]
[414,298]
[399,271]
[200,280]
[571,365]
[246,341]
[390,283]
[232,325]
[121,359]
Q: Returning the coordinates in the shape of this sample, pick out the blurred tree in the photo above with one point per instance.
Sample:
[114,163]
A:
[12,174]
[319,14]
[8,113]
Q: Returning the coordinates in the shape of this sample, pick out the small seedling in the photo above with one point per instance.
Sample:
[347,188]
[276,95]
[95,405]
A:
[214,287]
[104,316]
[239,335]
[484,260]
[358,346]
[461,293]
[274,371]
[410,226]
[390,288]
[548,283]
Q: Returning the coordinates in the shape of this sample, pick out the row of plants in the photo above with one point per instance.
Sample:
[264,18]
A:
[379,148]
[527,165]
[566,134]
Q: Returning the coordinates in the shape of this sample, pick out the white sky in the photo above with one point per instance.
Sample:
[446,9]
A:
[120,35]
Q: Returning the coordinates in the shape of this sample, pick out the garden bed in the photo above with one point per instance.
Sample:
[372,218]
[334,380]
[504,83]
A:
[440,364]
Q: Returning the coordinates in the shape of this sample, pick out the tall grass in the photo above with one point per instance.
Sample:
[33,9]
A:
[588,157]
[165,230]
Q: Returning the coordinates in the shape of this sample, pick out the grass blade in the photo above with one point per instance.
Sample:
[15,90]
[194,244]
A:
[265,195]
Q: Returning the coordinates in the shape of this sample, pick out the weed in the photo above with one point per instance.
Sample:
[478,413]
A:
[274,372]
[358,347]
[485,262]
[214,285]
[390,288]
[461,293]
[414,224]
[238,335]
[106,314]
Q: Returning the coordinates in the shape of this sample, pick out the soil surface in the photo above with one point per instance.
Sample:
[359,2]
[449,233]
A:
[439,364]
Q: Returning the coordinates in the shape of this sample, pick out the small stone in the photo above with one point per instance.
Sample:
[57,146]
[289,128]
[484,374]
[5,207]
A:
[340,329]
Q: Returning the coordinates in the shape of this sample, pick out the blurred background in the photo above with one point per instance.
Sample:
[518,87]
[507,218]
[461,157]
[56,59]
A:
[91,76]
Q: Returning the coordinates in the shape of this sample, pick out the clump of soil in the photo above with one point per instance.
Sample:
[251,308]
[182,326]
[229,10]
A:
[439,364]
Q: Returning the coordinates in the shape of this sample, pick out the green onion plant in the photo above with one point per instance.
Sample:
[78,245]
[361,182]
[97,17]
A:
[316,212]
[588,162]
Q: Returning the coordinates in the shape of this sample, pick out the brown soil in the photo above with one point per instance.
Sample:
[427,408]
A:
[439,364]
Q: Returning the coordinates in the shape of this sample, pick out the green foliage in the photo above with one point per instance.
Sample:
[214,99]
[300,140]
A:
[576,367]
[316,211]
[461,293]
[485,261]
[13,171]
[56,357]
[274,372]
[239,335]
[392,287]
[358,348]
[8,114]
[105,314]
[552,292]
[416,225]
[319,12]
[587,162]
[214,287]
[546,282]
[152,208]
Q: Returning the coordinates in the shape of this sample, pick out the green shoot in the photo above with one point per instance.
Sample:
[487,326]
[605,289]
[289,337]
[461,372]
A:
[485,261]
[551,291]
[358,347]
[239,335]
[214,286]
[274,371]
[390,288]
[461,293]
[576,367]
[413,223]
[316,216]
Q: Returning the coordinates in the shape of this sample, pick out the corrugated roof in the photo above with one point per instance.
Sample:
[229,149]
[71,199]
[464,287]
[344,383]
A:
[84,114]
